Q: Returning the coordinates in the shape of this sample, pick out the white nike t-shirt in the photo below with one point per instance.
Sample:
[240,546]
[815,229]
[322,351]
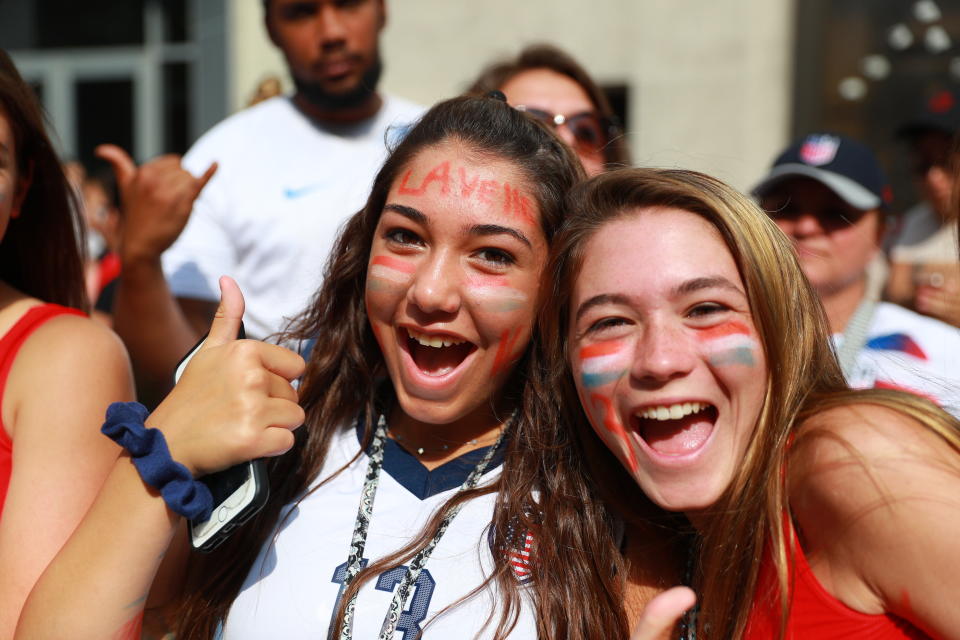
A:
[271,213]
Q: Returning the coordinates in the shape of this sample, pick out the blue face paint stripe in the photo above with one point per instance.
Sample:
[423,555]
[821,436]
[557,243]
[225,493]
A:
[738,355]
[591,380]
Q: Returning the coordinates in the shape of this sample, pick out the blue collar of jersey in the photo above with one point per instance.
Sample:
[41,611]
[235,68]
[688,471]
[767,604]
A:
[406,469]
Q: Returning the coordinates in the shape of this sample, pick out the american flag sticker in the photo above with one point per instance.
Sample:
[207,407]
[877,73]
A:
[819,149]
[519,557]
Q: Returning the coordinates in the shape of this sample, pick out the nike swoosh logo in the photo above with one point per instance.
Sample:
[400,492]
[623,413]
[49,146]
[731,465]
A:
[294,193]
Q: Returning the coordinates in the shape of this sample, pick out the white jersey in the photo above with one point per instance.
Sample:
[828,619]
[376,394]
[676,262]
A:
[269,217]
[912,352]
[293,587]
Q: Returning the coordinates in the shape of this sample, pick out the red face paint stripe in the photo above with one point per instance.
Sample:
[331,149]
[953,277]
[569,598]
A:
[613,425]
[601,349]
[504,356]
[394,263]
[723,330]
[487,281]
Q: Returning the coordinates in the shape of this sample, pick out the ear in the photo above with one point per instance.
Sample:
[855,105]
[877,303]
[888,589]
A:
[884,223]
[268,25]
[20,194]
[383,14]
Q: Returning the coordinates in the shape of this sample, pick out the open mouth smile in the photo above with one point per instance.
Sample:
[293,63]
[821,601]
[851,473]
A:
[435,355]
[675,430]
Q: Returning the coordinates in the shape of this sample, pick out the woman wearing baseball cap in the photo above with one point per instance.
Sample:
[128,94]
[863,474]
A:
[829,195]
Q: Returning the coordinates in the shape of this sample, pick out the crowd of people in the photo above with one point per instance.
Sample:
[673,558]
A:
[506,384]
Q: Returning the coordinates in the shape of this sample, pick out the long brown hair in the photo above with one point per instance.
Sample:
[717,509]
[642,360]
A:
[547,56]
[803,377]
[338,387]
[40,251]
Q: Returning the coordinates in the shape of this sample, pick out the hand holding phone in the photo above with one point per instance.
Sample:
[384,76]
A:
[233,403]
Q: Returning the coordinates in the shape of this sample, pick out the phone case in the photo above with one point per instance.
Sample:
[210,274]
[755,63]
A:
[238,492]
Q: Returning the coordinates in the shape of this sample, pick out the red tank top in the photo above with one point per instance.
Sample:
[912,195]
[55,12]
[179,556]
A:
[814,613]
[10,344]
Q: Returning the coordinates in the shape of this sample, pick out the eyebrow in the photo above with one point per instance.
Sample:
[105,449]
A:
[407,212]
[684,288]
[496,229]
[476,230]
[698,284]
[603,298]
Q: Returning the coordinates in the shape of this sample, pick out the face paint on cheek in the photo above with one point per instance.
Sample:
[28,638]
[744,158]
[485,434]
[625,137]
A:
[494,294]
[603,362]
[729,344]
[611,422]
[388,273]
[505,351]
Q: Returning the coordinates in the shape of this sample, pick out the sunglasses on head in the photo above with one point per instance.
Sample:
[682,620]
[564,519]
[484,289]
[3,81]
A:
[590,131]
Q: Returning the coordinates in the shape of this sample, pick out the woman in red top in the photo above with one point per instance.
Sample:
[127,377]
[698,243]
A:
[700,358]
[58,369]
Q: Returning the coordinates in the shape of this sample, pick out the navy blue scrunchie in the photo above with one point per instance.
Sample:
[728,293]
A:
[125,425]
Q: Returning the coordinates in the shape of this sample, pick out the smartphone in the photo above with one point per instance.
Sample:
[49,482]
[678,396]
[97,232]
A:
[238,492]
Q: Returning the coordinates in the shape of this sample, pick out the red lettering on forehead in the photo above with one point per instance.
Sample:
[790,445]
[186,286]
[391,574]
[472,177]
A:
[440,173]
[466,188]
[526,209]
[487,191]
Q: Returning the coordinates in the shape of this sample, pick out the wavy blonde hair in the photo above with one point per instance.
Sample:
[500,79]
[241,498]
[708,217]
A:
[803,377]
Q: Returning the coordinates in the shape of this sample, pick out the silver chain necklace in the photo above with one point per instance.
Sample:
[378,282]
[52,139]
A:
[359,539]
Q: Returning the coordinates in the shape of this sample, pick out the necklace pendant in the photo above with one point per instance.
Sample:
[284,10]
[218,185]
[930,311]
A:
[420,451]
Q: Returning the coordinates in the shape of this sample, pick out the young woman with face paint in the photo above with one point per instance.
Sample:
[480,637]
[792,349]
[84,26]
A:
[417,405]
[713,406]
[58,369]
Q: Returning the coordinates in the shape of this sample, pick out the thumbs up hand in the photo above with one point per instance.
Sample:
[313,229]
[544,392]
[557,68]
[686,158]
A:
[662,614]
[234,401]
[156,199]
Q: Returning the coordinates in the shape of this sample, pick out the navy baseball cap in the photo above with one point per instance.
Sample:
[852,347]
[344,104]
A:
[846,167]
[940,112]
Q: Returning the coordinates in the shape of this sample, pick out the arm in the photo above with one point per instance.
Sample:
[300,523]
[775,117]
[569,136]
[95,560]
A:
[877,498]
[64,376]
[157,199]
[233,403]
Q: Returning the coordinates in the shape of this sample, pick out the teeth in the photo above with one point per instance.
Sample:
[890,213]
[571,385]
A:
[433,341]
[672,412]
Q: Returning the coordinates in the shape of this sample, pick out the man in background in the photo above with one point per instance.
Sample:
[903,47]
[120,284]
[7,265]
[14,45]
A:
[283,176]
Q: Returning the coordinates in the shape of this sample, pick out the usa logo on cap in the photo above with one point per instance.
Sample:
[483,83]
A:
[819,149]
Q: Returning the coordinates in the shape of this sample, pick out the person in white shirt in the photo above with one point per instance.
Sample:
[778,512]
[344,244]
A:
[283,176]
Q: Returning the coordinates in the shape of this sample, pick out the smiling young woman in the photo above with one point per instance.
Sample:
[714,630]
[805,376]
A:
[407,503]
[696,370]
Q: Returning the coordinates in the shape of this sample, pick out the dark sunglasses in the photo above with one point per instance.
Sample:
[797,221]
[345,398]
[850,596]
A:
[831,217]
[590,131]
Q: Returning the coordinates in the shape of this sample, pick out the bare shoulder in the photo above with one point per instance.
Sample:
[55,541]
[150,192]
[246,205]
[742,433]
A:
[874,434]
[862,458]
[876,495]
[73,339]
[75,353]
